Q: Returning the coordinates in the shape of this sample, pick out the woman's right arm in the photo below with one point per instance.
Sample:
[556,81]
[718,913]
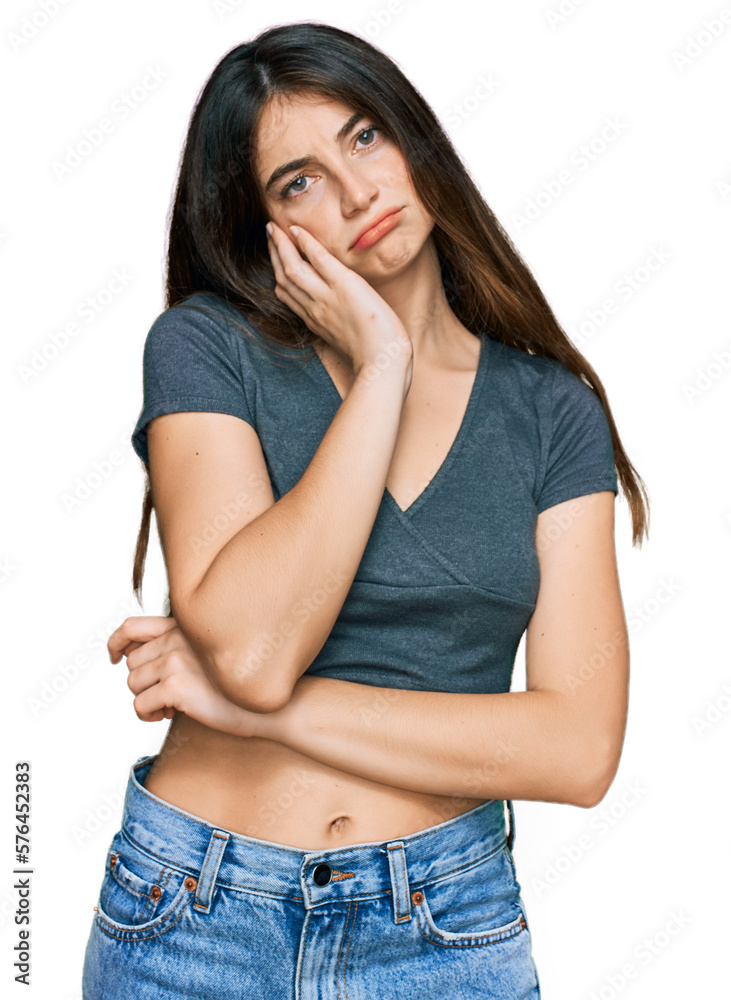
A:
[258,595]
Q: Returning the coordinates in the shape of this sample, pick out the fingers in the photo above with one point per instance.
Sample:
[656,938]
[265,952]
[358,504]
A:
[151,705]
[297,306]
[145,676]
[288,287]
[319,257]
[142,652]
[151,684]
[130,647]
[295,275]
[141,629]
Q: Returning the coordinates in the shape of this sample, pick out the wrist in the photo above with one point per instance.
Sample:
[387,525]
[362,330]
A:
[279,724]
[292,721]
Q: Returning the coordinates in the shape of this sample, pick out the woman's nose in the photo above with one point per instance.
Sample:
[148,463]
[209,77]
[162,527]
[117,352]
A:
[358,191]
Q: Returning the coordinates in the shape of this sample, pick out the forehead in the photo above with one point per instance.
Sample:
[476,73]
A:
[290,124]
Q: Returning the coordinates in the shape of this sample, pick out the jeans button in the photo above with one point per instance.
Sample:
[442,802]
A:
[322,874]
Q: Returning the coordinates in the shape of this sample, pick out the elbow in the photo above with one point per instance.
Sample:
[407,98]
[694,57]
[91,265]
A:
[251,689]
[589,795]
[255,683]
[596,777]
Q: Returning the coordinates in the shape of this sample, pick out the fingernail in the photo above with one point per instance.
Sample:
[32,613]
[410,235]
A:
[269,228]
[294,230]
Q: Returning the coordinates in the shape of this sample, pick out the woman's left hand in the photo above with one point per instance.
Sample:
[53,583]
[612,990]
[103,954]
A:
[166,675]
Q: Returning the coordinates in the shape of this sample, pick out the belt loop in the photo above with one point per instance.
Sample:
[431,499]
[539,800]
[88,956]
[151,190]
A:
[399,882]
[209,871]
[511,834]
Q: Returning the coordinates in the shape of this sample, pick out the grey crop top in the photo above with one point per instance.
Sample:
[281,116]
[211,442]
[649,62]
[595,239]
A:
[445,589]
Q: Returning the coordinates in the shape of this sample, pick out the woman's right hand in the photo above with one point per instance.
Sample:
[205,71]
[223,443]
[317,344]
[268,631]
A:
[335,302]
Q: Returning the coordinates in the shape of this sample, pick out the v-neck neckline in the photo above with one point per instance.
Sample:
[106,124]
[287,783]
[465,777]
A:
[449,458]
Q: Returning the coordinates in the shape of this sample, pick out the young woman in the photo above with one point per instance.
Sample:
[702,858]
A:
[376,459]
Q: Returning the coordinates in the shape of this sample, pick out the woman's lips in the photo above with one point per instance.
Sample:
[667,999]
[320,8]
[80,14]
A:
[376,232]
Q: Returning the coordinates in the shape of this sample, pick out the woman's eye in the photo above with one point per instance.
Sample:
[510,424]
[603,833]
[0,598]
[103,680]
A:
[296,187]
[369,131]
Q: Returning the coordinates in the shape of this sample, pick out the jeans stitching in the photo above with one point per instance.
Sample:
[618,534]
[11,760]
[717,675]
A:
[471,940]
[132,936]
[350,939]
[468,866]
[213,857]
[303,945]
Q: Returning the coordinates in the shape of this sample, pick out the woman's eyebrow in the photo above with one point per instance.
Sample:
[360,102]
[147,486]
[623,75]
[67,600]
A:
[304,160]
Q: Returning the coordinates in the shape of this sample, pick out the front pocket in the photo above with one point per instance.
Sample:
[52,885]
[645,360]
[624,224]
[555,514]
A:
[475,906]
[140,896]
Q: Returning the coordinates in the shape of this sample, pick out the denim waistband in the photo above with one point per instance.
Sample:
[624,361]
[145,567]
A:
[215,855]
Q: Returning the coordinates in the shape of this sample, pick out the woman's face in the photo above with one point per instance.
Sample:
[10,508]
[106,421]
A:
[354,176]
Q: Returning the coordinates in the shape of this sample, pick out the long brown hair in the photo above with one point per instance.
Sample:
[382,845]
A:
[216,237]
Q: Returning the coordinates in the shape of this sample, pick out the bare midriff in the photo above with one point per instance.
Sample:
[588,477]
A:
[264,789]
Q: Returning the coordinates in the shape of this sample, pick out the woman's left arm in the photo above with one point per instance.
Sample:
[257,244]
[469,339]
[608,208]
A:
[558,741]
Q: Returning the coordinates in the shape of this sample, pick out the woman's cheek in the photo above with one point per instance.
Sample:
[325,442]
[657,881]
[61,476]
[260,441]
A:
[315,220]
[300,208]
[307,204]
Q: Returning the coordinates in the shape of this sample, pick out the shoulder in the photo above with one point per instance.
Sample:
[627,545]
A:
[544,385]
[203,314]
[556,424]
[206,330]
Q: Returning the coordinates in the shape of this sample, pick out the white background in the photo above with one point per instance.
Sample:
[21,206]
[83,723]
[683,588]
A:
[601,917]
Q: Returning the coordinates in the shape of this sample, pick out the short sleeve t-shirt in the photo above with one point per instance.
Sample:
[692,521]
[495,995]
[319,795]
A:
[445,589]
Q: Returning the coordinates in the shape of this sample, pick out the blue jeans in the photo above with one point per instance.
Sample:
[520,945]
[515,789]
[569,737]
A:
[188,909]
